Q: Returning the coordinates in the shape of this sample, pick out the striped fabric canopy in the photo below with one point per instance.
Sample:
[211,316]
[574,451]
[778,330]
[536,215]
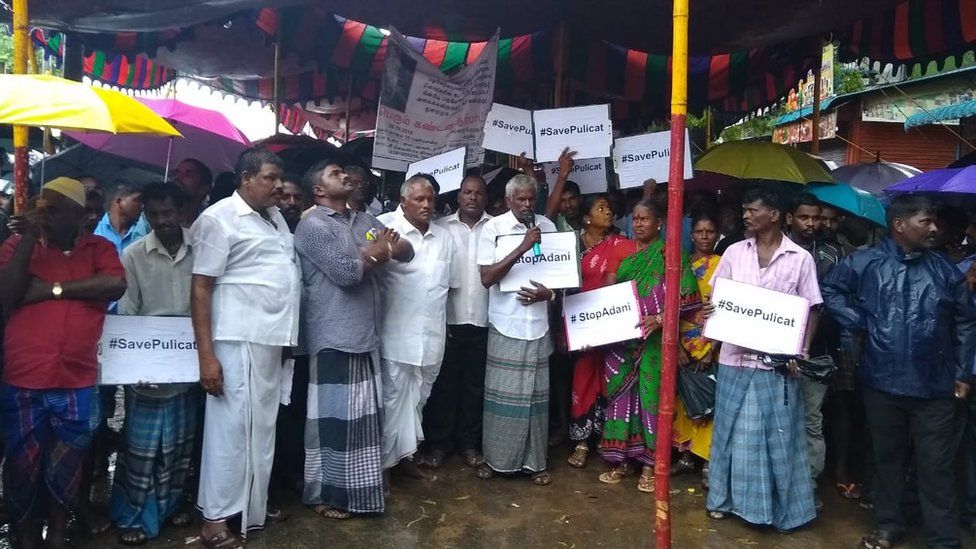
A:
[134,72]
[913,30]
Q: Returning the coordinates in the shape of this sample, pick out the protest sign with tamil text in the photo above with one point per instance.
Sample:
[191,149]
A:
[509,130]
[757,318]
[147,349]
[602,316]
[556,267]
[590,175]
[447,169]
[586,130]
[423,112]
[647,156]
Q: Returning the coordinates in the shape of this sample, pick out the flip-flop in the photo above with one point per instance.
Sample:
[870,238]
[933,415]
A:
[325,511]
[224,539]
[133,537]
[542,479]
[485,472]
[849,490]
[473,459]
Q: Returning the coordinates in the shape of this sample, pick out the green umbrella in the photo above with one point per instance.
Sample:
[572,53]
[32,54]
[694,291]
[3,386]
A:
[851,199]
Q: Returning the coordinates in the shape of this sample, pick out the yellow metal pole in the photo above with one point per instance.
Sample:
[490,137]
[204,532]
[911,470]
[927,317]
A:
[672,275]
[20,132]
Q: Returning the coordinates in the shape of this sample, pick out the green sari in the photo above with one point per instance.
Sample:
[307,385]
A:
[632,371]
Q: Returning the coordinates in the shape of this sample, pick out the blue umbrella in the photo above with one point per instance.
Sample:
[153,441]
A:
[946,180]
[851,199]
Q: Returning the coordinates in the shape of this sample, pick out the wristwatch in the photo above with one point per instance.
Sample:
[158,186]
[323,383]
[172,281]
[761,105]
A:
[57,290]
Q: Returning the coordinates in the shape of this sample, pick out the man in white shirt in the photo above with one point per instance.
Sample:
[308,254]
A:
[516,413]
[452,417]
[160,421]
[245,297]
[413,325]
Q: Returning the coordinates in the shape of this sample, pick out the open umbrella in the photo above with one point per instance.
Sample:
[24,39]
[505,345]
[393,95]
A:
[873,177]
[850,199]
[43,100]
[762,160]
[946,180]
[208,136]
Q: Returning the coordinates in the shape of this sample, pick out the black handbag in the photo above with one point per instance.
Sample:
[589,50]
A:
[819,369]
[697,390]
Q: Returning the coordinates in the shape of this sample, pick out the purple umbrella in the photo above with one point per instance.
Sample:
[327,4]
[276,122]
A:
[946,180]
[208,136]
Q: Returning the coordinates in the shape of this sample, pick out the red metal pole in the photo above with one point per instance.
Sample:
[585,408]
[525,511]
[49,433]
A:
[672,276]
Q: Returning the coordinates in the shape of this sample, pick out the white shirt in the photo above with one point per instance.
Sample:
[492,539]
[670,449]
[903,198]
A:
[413,327]
[468,303]
[505,313]
[258,288]
[156,284]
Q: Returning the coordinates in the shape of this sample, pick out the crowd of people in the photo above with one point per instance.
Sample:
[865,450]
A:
[401,350]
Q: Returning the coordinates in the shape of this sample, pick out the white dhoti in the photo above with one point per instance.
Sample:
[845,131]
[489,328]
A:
[406,388]
[239,434]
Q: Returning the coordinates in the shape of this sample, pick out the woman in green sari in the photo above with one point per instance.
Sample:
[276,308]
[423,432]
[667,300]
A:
[633,370]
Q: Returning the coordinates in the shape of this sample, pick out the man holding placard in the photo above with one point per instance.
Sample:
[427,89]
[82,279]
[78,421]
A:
[517,373]
[244,302]
[160,421]
[759,469]
[413,322]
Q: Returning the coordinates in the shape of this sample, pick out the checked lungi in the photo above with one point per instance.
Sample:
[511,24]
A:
[155,459]
[46,435]
[516,421]
[759,468]
[344,432]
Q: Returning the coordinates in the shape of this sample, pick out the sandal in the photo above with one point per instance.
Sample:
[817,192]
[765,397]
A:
[716,515]
[180,519]
[325,511]
[542,479]
[224,539]
[578,458]
[616,474]
[684,465]
[433,460]
[849,490]
[133,537]
[879,539]
[276,515]
[646,482]
[473,458]
[485,472]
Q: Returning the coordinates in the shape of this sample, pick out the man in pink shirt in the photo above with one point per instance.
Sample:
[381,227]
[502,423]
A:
[759,467]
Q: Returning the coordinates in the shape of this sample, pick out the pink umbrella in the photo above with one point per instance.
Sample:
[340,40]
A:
[208,136]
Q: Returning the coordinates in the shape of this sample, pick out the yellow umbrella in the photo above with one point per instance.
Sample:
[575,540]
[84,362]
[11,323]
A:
[48,101]
[763,160]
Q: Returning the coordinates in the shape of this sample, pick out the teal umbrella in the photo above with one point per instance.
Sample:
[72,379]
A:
[851,199]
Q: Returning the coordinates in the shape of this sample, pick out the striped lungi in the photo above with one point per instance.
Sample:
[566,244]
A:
[344,433]
[516,419]
[46,434]
[759,468]
[152,467]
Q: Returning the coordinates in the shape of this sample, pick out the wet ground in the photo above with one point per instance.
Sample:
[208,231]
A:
[576,511]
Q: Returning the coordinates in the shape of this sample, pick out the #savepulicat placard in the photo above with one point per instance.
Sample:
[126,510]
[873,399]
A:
[757,318]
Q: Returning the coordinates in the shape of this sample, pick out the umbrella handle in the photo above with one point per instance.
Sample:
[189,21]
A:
[169,155]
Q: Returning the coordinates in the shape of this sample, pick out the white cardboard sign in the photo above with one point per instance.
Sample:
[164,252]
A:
[646,156]
[509,130]
[147,349]
[590,175]
[756,318]
[602,316]
[447,169]
[556,267]
[586,130]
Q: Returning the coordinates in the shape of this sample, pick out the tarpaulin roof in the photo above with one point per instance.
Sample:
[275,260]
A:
[715,25]
[955,111]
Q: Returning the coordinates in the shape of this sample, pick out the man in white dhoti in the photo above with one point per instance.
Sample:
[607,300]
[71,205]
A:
[245,297]
[413,329]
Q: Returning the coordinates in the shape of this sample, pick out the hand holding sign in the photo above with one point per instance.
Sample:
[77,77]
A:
[587,130]
[566,163]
